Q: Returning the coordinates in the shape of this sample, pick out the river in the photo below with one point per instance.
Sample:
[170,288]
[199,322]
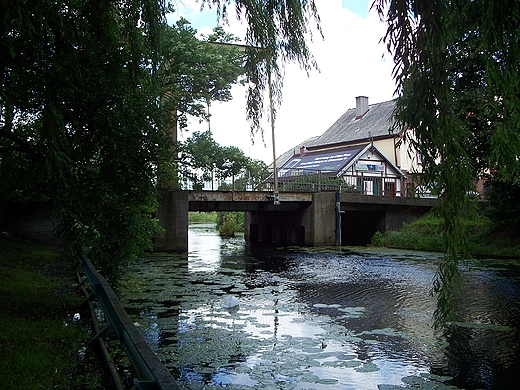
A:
[322,318]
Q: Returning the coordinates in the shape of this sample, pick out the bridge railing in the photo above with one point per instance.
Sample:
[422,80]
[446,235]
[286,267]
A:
[298,180]
[294,180]
[151,373]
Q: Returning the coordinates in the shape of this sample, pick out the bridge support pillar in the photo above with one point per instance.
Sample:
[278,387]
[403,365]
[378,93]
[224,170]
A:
[173,218]
[313,226]
[319,220]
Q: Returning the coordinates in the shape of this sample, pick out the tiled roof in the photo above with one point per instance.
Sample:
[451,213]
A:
[376,122]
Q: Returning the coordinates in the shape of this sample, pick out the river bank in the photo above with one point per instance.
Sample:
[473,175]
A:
[41,345]
[426,233]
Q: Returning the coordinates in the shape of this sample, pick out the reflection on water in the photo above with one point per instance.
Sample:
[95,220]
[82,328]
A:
[321,318]
[204,254]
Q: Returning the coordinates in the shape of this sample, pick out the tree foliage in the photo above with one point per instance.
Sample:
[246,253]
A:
[196,71]
[203,160]
[256,171]
[503,206]
[79,122]
[84,120]
[198,159]
[456,68]
[79,114]
[230,222]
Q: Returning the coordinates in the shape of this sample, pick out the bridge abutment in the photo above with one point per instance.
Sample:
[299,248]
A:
[173,219]
[320,220]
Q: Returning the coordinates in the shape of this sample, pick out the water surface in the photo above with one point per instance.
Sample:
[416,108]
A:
[322,318]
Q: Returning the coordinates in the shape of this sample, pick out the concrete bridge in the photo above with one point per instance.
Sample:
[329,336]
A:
[301,218]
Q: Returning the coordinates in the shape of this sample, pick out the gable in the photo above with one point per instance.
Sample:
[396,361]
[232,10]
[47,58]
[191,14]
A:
[371,162]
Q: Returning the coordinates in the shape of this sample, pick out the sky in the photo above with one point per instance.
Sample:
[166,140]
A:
[351,61]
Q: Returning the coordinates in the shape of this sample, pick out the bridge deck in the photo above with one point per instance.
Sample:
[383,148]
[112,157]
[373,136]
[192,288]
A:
[290,201]
[388,200]
[246,201]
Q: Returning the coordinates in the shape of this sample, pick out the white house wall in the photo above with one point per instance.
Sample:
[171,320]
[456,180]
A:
[383,179]
[400,155]
[407,156]
[386,146]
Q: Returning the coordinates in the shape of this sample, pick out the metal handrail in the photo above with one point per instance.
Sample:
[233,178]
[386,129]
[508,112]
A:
[312,180]
[152,374]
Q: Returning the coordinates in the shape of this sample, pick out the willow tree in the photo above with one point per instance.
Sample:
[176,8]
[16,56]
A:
[276,34]
[80,119]
[427,38]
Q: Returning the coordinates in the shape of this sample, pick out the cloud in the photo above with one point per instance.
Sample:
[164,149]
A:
[352,62]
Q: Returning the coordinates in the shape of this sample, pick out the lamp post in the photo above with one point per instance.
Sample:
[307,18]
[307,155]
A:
[271,107]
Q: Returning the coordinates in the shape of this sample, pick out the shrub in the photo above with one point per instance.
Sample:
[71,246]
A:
[229,223]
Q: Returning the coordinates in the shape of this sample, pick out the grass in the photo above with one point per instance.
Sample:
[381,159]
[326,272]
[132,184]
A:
[202,217]
[39,343]
[426,234]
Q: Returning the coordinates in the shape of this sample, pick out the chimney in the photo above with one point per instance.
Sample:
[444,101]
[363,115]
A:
[361,106]
[302,151]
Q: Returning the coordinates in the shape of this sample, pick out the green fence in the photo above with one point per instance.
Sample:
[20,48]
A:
[151,373]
